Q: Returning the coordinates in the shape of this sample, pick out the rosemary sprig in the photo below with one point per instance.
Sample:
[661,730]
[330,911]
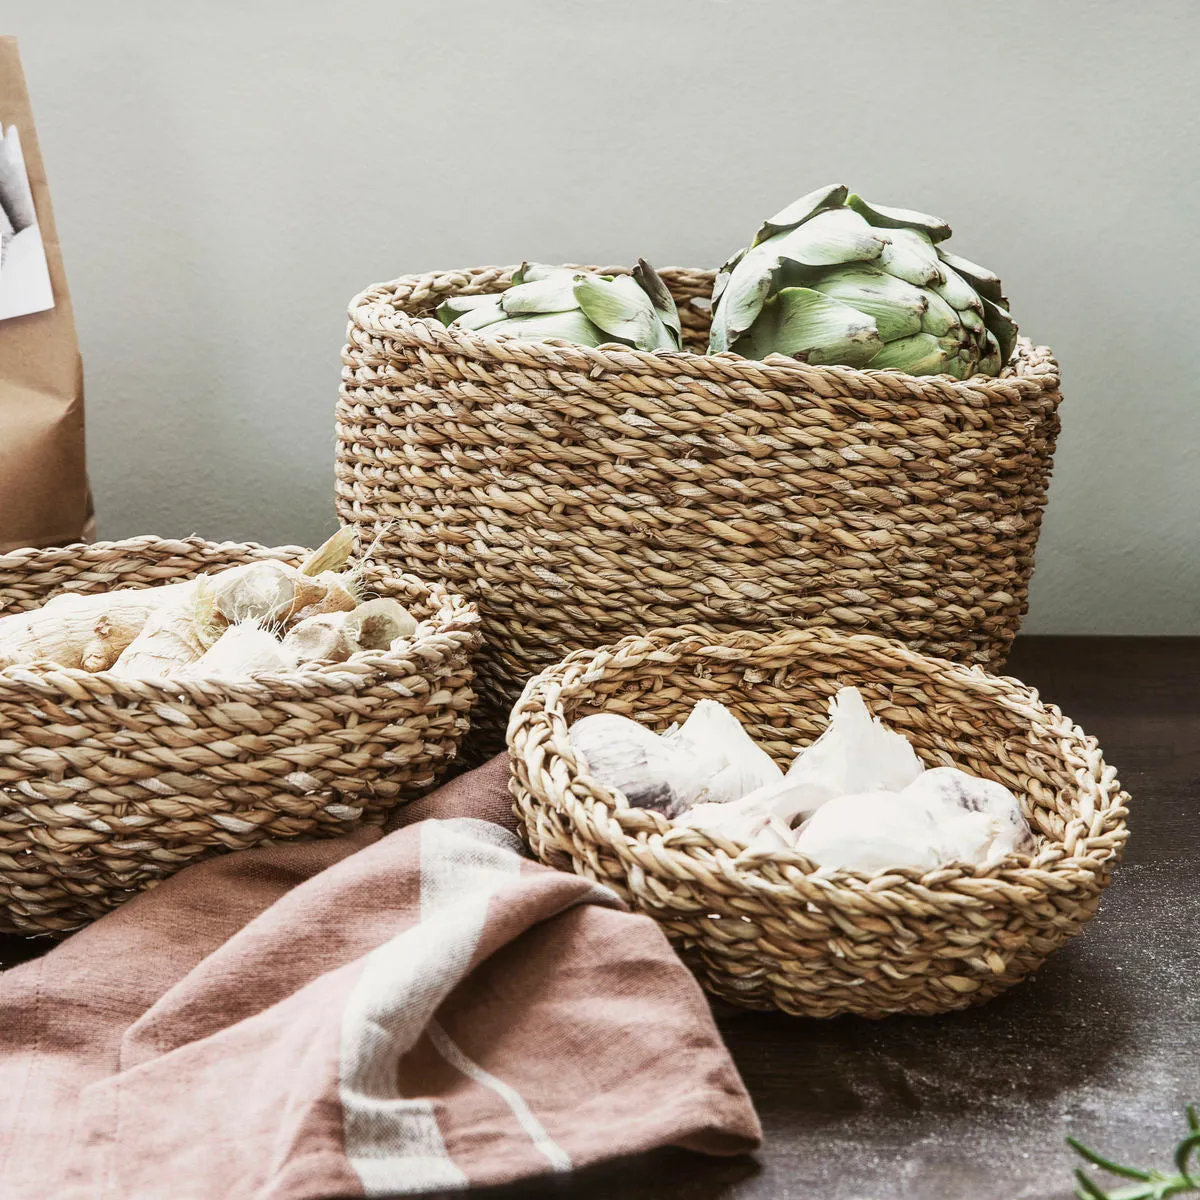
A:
[1151,1184]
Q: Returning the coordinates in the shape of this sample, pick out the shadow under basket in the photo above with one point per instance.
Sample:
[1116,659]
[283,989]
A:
[580,494]
[769,930]
[108,784]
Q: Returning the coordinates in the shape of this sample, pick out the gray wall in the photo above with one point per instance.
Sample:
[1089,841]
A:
[226,176]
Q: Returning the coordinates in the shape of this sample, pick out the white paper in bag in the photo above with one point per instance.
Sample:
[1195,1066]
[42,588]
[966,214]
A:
[24,273]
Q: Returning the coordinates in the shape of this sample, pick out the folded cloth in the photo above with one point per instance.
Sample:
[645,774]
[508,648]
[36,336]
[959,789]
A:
[377,1015]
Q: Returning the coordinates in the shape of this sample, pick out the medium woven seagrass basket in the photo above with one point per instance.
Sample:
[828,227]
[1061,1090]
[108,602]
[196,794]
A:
[583,494]
[769,930]
[108,784]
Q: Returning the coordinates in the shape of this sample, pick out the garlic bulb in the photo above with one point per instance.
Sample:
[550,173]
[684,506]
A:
[322,638]
[944,816]
[856,753]
[872,831]
[740,821]
[244,649]
[175,635]
[86,631]
[334,636]
[650,771]
[790,798]
[376,624]
[955,795]
[735,763]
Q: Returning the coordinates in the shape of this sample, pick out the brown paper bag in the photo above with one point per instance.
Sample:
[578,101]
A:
[44,498]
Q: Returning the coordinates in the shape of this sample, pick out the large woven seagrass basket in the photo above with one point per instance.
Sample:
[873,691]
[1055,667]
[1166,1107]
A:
[583,494]
[769,930]
[108,784]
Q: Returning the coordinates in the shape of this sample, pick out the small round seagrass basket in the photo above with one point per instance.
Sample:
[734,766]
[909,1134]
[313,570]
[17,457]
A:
[583,494]
[769,930]
[108,784]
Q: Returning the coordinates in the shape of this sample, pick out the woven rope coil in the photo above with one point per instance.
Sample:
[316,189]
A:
[109,784]
[770,931]
[583,494]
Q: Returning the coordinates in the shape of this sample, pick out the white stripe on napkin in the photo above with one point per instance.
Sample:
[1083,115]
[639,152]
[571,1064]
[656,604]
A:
[393,1143]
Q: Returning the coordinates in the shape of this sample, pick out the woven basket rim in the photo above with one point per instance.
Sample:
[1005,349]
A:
[750,869]
[451,613]
[375,311]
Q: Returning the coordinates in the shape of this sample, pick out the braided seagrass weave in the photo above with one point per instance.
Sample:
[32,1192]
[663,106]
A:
[109,784]
[766,929]
[583,494]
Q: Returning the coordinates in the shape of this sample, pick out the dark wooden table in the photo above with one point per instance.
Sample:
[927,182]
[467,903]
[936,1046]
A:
[1103,1043]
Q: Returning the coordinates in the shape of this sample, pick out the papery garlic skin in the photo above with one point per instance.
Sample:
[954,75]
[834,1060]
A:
[650,771]
[736,765]
[856,753]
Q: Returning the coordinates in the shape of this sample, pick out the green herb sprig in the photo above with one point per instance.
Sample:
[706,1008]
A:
[1151,1184]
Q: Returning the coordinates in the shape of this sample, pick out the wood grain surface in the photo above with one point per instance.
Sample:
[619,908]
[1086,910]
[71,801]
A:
[1104,1043]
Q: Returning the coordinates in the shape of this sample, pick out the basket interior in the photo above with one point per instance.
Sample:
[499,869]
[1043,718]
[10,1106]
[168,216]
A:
[960,720]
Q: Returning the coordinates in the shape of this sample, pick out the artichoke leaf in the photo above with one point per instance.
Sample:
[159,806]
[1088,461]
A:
[990,362]
[551,293]
[971,320]
[920,354]
[1002,327]
[799,211]
[912,256]
[829,239]
[748,288]
[940,319]
[454,307]
[617,306]
[480,316]
[896,307]
[570,326]
[725,273]
[817,329]
[664,338]
[961,365]
[900,218]
[529,272]
[980,278]
[649,280]
[957,292]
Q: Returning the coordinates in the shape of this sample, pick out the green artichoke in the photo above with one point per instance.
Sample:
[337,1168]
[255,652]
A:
[577,306]
[833,279]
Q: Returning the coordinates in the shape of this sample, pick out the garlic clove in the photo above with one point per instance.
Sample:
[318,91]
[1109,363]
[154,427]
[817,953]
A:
[871,831]
[856,753]
[650,771]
